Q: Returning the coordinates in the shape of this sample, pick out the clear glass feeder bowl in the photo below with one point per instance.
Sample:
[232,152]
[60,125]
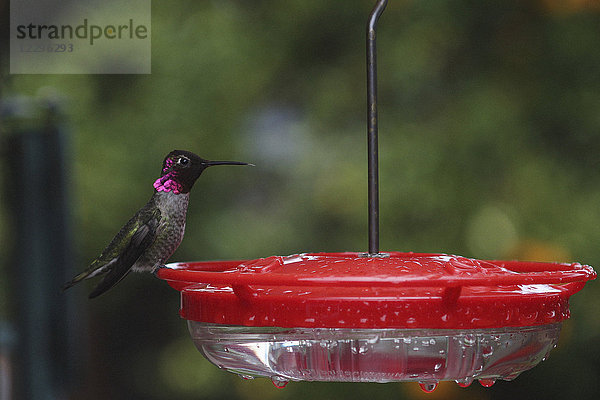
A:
[375,355]
[345,317]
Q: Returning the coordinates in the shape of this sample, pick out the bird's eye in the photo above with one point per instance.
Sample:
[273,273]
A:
[183,161]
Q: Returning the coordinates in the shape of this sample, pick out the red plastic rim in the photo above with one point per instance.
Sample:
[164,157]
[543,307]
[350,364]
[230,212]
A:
[396,290]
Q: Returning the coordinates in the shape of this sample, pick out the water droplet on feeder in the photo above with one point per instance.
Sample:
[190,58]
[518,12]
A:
[487,382]
[466,382]
[279,381]
[428,387]
[373,340]
[246,377]
[469,340]
[360,348]
[487,351]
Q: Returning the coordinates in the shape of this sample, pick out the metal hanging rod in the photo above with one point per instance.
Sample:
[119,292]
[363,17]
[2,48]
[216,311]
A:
[373,156]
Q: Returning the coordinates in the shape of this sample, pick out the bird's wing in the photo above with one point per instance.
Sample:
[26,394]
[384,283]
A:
[122,263]
[133,238]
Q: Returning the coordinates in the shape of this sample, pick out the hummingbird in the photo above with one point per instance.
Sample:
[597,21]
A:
[153,234]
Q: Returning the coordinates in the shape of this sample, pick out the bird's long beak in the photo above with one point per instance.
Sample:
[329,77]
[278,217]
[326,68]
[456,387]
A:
[211,163]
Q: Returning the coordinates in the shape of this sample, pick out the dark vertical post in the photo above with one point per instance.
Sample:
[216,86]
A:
[36,188]
[373,157]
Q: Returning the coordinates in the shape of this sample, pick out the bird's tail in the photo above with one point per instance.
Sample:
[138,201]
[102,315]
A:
[92,271]
[75,280]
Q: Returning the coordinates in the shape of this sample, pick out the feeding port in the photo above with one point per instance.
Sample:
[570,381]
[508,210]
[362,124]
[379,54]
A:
[396,317]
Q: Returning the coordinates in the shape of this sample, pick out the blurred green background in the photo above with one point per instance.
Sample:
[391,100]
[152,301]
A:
[489,143]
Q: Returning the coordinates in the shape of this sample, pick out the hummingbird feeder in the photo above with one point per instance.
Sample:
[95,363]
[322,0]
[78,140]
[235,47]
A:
[374,316]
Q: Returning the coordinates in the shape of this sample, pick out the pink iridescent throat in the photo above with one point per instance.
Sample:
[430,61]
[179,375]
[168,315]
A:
[168,183]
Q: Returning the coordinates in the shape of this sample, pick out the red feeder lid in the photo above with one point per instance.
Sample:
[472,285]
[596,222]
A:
[395,290]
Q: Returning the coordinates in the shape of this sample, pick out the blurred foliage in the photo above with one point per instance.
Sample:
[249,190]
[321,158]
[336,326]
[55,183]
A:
[489,143]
